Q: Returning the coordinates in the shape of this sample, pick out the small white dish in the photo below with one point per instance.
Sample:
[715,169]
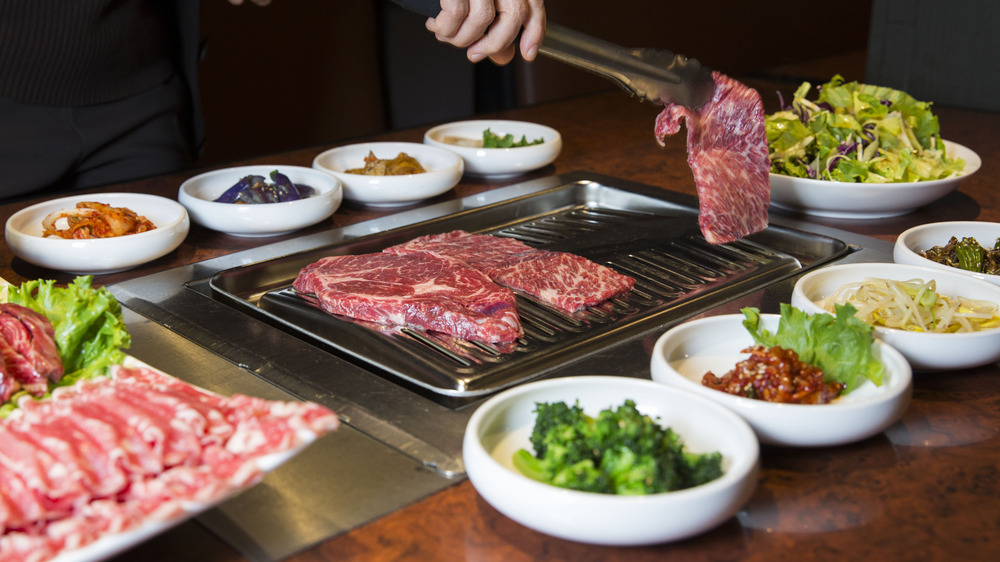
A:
[100,255]
[924,351]
[683,355]
[503,424]
[911,242]
[465,139]
[198,194]
[846,200]
[444,170]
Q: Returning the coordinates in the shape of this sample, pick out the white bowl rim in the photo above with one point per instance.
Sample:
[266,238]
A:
[931,272]
[70,201]
[902,242]
[885,393]
[738,469]
[513,124]
[323,191]
[452,160]
[972,164]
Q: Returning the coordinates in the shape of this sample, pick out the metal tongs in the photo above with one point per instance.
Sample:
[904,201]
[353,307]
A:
[657,75]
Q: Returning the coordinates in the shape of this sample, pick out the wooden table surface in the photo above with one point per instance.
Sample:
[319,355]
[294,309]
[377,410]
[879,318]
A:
[926,489]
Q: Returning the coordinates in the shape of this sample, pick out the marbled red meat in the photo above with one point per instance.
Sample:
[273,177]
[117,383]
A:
[29,358]
[564,280]
[417,290]
[106,455]
[727,152]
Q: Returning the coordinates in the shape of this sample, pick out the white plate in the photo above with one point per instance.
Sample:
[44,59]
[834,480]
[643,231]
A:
[866,200]
[115,543]
[924,351]
[497,162]
[926,236]
[444,170]
[503,424]
[101,255]
[683,355]
[198,194]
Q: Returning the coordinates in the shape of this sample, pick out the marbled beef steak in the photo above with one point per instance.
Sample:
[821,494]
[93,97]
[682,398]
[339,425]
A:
[564,280]
[417,290]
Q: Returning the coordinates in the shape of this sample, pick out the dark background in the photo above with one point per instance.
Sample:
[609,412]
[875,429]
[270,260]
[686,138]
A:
[302,73]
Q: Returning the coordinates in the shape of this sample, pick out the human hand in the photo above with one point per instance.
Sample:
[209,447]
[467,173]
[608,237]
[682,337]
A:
[489,28]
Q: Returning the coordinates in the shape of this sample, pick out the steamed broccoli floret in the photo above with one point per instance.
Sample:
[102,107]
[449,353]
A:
[622,451]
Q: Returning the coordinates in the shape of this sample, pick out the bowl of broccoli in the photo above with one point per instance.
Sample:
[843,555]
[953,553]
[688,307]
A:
[610,460]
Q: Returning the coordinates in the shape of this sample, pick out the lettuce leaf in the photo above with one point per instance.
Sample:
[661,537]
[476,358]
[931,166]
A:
[89,330]
[840,344]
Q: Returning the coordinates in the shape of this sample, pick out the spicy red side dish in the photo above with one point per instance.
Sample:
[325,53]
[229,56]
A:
[95,220]
[775,374]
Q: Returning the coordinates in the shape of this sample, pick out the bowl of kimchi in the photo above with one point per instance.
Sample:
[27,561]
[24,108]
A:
[937,237]
[391,174]
[686,353]
[939,320]
[97,233]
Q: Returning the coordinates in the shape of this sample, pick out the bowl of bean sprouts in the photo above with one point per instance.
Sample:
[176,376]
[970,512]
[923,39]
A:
[938,319]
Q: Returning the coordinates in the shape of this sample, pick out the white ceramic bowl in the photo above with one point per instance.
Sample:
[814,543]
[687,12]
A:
[911,242]
[683,355]
[444,170]
[924,351]
[503,424]
[198,194]
[103,255]
[465,138]
[866,200]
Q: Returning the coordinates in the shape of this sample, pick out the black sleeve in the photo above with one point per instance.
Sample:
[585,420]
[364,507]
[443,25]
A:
[429,8]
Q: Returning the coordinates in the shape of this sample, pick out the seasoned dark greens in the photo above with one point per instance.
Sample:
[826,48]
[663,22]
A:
[621,451]
[967,254]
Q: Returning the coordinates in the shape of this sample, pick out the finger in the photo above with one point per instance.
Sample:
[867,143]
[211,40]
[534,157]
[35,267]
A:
[503,57]
[481,16]
[500,36]
[472,27]
[533,34]
[449,20]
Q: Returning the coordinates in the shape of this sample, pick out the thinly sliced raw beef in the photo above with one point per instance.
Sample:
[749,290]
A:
[727,152]
[29,358]
[105,456]
[567,281]
[416,290]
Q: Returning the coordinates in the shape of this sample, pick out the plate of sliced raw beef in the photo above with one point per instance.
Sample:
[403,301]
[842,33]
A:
[110,462]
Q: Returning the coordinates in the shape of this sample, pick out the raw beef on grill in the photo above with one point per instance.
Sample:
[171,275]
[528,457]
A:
[727,151]
[565,280]
[106,455]
[416,290]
